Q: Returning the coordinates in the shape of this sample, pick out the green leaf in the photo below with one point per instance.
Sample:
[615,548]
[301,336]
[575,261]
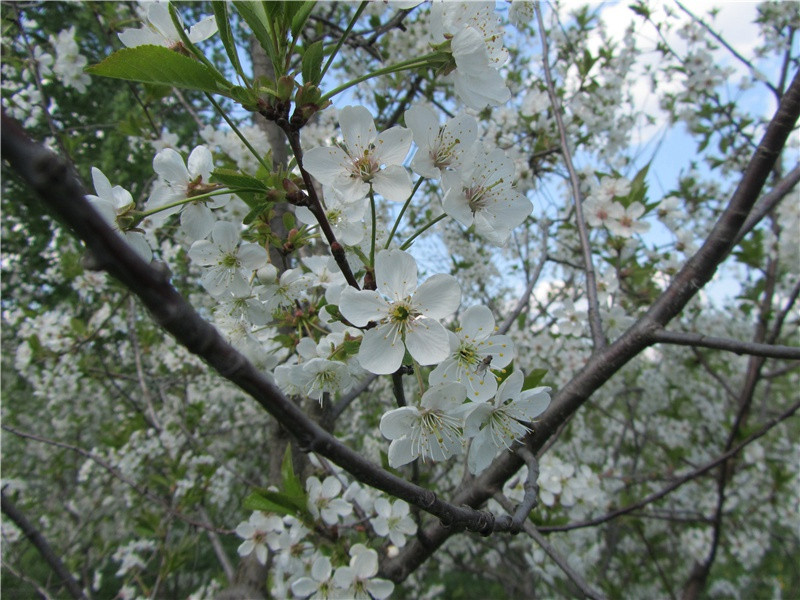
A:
[288,221]
[237,179]
[254,14]
[226,34]
[301,16]
[312,63]
[274,502]
[291,484]
[159,65]
[533,379]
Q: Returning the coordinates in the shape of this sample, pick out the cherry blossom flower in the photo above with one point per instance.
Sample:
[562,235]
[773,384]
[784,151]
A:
[255,532]
[495,425]
[473,352]
[229,263]
[69,64]
[323,501]
[320,584]
[179,181]
[451,146]
[345,218]
[405,314]
[393,520]
[358,580]
[484,197]
[431,430]
[115,204]
[322,376]
[357,167]
[627,224]
[159,30]
[599,211]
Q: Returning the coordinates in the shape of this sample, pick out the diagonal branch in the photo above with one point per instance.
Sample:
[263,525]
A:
[37,539]
[65,198]
[681,338]
[695,274]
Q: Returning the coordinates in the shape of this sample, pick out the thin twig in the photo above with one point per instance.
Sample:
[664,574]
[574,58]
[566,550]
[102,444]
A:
[678,482]
[662,336]
[554,554]
[595,325]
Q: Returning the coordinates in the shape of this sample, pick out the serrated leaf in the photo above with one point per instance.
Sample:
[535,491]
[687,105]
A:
[159,65]
[255,16]
[291,484]
[301,16]
[237,179]
[226,34]
[312,63]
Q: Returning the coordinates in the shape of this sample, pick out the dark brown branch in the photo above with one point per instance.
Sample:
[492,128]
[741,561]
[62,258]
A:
[40,543]
[681,338]
[65,198]
[769,201]
[695,274]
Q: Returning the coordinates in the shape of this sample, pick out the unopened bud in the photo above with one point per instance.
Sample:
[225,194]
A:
[267,274]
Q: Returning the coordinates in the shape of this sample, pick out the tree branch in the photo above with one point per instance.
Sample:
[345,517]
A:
[65,198]
[662,336]
[37,539]
[678,482]
[554,554]
[601,366]
[598,337]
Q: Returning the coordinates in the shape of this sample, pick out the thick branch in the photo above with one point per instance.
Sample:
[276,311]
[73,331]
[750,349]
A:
[680,338]
[65,198]
[695,274]
[50,557]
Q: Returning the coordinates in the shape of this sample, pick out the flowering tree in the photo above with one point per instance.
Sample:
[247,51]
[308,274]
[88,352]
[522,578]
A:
[443,317]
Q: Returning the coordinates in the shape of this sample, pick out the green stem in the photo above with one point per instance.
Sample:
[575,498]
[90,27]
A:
[232,125]
[374,227]
[403,210]
[410,240]
[347,31]
[401,66]
[189,200]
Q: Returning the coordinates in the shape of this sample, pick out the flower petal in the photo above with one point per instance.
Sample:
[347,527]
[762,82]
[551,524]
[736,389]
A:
[382,350]
[396,274]
[361,307]
[358,129]
[427,342]
[393,183]
[438,297]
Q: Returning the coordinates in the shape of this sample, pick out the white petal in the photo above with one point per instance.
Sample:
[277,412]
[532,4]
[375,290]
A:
[438,297]
[169,165]
[305,586]
[200,163]
[424,124]
[392,146]
[427,342]
[101,185]
[203,30]
[382,350]
[327,164]
[481,452]
[399,422]
[226,235]
[361,307]
[380,588]
[393,183]
[401,452]
[358,129]
[252,256]
[456,205]
[477,323]
[197,221]
[396,274]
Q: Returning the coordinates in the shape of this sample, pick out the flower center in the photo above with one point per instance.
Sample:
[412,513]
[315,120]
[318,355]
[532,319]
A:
[364,168]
